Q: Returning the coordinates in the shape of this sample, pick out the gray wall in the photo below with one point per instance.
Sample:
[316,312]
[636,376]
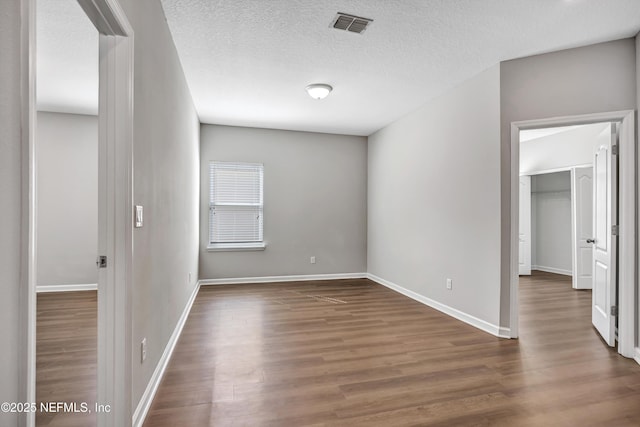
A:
[166,183]
[551,222]
[67,199]
[591,79]
[13,331]
[434,199]
[314,202]
[166,175]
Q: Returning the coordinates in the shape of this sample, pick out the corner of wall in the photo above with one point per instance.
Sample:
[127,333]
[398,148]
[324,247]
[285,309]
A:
[416,246]
[337,238]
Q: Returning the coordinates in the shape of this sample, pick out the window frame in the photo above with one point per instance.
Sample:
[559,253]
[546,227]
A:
[235,245]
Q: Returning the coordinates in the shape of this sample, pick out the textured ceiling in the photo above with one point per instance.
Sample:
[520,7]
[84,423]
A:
[67,58]
[247,61]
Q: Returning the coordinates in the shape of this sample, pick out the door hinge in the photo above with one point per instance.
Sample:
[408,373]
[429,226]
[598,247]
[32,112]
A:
[101,261]
[614,310]
[614,150]
[615,230]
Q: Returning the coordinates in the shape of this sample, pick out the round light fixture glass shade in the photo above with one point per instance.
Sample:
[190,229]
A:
[319,90]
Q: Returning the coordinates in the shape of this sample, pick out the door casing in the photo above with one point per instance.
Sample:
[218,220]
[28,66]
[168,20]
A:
[627,308]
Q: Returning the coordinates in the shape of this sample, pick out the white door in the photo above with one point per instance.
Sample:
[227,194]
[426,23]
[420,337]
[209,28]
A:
[582,221]
[604,242]
[525,226]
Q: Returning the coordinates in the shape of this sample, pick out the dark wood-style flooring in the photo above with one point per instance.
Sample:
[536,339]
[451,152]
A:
[66,355]
[353,353]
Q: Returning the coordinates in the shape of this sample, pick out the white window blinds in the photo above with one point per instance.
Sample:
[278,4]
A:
[235,202]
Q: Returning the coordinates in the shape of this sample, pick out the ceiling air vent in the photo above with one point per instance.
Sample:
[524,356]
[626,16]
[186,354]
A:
[354,24]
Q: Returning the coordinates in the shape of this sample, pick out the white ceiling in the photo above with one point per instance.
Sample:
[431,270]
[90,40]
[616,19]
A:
[247,62]
[531,134]
[67,58]
[536,135]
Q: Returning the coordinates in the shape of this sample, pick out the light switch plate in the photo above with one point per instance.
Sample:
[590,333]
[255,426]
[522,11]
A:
[138,216]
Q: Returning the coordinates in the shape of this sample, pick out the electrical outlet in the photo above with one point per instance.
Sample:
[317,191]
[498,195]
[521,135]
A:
[449,284]
[143,350]
[312,260]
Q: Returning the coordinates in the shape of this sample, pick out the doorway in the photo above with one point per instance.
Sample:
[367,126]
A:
[67,212]
[625,220]
[556,184]
[575,239]
[551,219]
[114,194]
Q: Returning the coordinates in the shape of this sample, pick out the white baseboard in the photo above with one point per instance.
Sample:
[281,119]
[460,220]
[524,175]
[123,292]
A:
[637,356]
[552,270]
[268,279]
[152,387]
[455,313]
[504,332]
[67,288]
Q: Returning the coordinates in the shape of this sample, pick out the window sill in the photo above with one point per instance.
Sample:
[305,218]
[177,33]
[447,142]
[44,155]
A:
[230,247]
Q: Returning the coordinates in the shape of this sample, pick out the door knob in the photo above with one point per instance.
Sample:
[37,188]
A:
[591,240]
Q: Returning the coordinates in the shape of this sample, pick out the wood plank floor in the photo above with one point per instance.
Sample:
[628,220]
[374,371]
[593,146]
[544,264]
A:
[353,353]
[66,355]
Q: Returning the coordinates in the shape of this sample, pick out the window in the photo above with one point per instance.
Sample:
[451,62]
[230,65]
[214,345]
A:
[235,206]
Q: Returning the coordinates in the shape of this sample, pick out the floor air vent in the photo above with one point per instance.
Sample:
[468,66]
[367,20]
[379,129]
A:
[320,298]
[326,299]
[354,24]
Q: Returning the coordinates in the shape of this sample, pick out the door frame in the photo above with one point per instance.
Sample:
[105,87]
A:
[571,170]
[115,124]
[545,172]
[626,218]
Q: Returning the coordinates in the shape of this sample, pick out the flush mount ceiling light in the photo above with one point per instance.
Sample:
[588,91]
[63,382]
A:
[319,90]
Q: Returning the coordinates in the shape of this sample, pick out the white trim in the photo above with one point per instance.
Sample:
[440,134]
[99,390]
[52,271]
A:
[552,270]
[275,279]
[514,210]
[626,213]
[27,323]
[453,312]
[504,333]
[146,400]
[236,246]
[67,288]
[627,239]
[637,355]
[115,122]
[554,170]
[115,219]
